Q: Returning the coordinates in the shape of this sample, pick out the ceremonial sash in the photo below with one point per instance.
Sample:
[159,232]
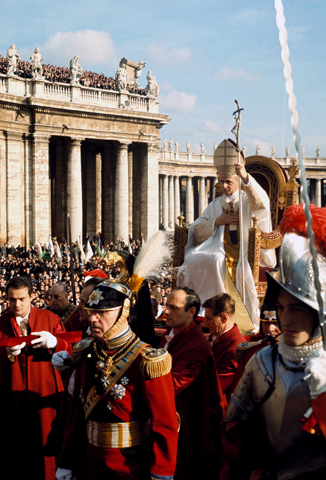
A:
[93,398]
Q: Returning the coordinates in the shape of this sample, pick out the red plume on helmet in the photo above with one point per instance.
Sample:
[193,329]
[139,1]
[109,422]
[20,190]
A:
[96,273]
[294,221]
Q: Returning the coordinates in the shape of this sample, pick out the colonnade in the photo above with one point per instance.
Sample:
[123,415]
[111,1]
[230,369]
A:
[184,194]
[112,188]
[106,186]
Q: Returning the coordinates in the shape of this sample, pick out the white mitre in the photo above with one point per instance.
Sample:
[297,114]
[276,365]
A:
[225,156]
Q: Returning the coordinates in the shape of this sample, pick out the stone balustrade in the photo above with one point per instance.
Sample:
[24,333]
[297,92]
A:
[42,89]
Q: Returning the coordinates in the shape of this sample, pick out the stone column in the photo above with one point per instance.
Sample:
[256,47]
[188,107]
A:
[130,160]
[58,214]
[74,189]
[318,192]
[3,189]
[28,187]
[311,186]
[161,198]
[89,193]
[107,188]
[41,189]
[136,188]
[98,193]
[65,155]
[202,196]
[14,183]
[121,227]
[177,210]
[189,202]
[149,190]
[171,201]
[165,201]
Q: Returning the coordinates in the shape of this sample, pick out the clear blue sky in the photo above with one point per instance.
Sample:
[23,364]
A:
[204,54]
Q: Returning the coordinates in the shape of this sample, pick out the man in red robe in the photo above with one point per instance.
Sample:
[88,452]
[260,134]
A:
[30,388]
[224,336]
[197,391]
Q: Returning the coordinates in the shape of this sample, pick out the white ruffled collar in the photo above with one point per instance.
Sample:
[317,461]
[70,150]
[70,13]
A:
[298,354]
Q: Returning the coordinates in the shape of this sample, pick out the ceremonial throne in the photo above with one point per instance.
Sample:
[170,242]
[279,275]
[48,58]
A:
[282,193]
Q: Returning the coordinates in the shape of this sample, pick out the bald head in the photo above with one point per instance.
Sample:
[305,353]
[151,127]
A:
[59,297]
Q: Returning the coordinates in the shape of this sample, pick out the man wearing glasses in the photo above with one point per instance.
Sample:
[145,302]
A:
[61,306]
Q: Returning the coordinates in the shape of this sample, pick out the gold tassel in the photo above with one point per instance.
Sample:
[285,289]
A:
[271,240]
[155,363]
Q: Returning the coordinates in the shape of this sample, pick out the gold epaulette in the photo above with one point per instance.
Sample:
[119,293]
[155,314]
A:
[79,347]
[155,362]
[243,347]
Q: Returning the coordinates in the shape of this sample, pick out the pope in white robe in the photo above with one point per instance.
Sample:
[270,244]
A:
[206,261]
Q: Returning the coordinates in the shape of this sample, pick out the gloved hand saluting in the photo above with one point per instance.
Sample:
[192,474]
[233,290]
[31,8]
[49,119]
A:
[316,367]
[58,360]
[45,340]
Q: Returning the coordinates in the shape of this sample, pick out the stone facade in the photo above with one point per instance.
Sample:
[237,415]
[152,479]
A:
[69,149]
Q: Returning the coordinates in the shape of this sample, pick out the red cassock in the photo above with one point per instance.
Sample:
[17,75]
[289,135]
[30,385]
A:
[199,401]
[143,399]
[224,348]
[73,323]
[30,394]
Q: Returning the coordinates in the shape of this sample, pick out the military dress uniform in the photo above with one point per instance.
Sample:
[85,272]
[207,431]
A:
[122,421]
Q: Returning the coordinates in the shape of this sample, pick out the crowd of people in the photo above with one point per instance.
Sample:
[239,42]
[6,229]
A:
[54,73]
[45,272]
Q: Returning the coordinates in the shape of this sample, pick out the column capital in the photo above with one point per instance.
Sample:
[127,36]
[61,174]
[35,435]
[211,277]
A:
[153,146]
[13,136]
[124,145]
[76,141]
[41,137]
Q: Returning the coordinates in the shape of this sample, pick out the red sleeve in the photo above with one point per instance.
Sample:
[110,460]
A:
[184,373]
[160,401]
[319,409]
[62,344]
[226,371]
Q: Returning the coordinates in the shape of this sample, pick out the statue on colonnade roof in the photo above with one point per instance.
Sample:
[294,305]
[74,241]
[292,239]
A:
[133,70]
[152,87]
[121,77]
[76,71]
[12,60]
[36,64]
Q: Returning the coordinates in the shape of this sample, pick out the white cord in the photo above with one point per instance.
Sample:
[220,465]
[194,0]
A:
[280,21]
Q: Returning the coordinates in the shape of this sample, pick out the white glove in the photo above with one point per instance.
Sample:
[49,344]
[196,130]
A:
[45,340]
[58,360]
[316,366]
[63,474]
[16,350]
